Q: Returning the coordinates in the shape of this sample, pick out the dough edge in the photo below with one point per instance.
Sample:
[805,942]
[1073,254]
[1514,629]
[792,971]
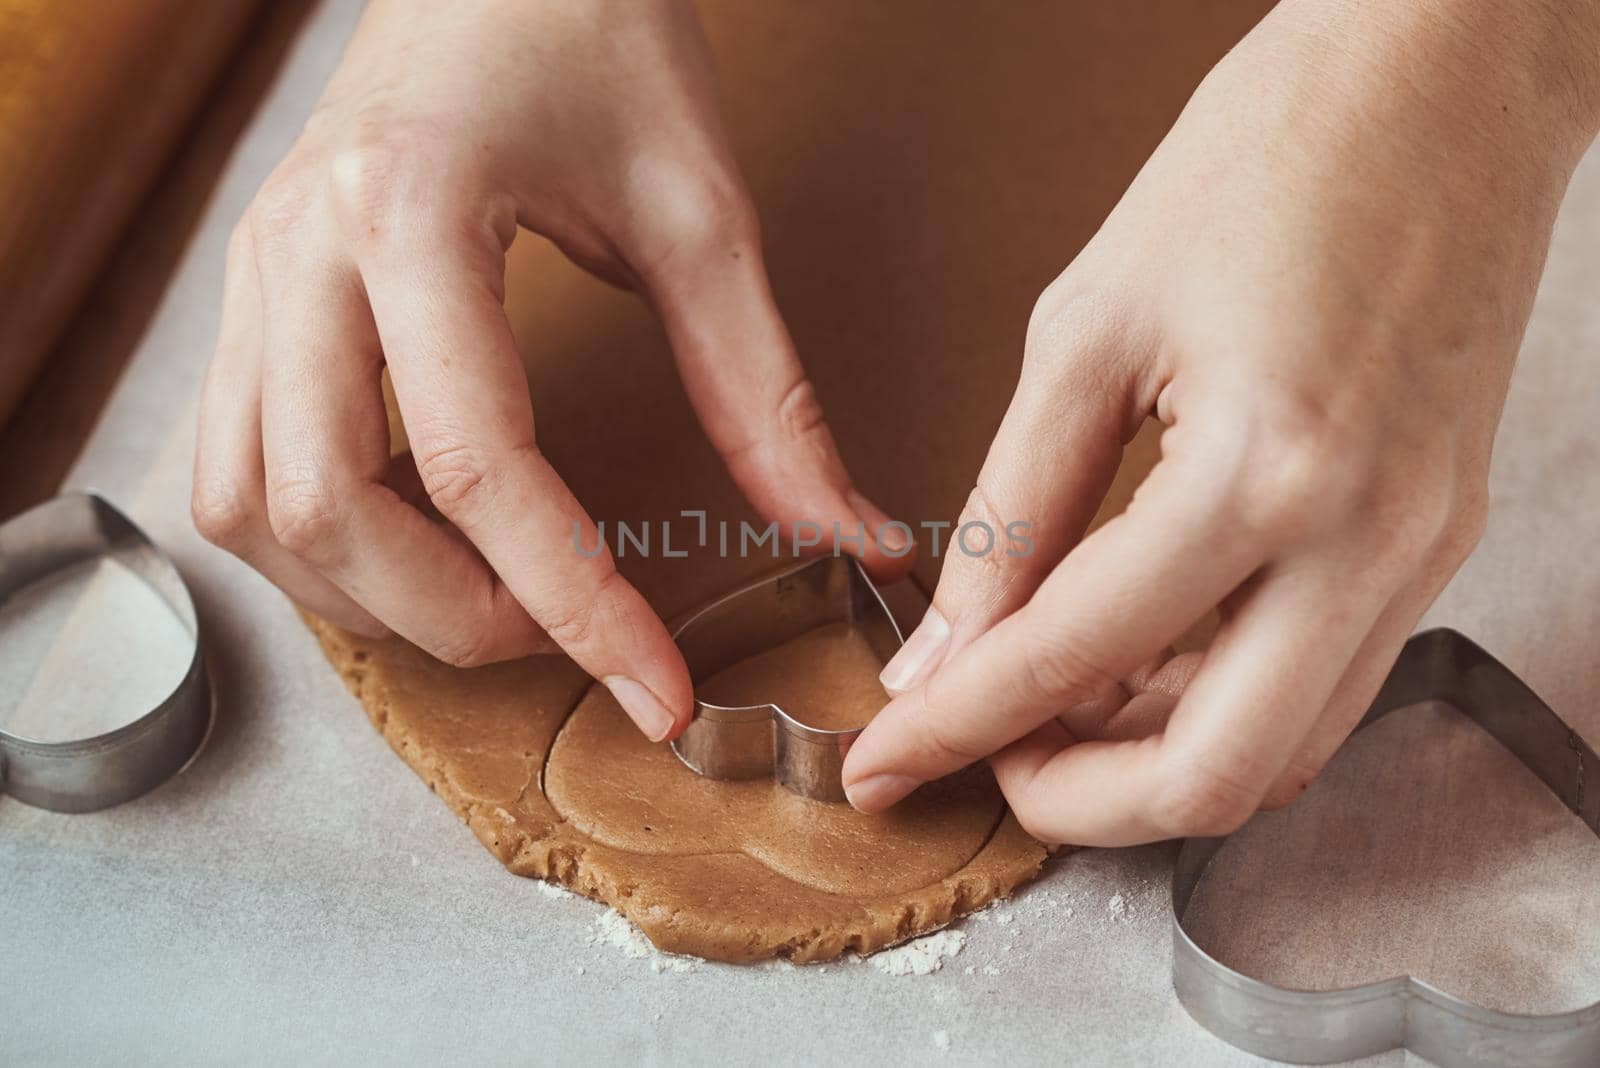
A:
[690,904]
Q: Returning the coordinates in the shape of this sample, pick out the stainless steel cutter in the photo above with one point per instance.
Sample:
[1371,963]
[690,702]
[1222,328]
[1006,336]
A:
[758,741]
[85,774]
[1321,1027]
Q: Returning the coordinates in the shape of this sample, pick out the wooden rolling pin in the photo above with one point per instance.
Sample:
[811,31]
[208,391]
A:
[94,97]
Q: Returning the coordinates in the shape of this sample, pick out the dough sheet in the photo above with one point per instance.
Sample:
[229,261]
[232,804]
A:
[555,780]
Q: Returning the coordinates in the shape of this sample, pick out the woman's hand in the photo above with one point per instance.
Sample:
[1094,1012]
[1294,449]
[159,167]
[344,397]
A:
[1319,283]
[380,240]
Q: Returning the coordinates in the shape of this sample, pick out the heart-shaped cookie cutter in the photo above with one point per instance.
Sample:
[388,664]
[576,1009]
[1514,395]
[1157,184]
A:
[1321,1027]
[762,741]
[86,774]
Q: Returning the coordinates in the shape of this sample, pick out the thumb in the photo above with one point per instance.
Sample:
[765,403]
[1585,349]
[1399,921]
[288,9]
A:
[752,396]
[1048,469]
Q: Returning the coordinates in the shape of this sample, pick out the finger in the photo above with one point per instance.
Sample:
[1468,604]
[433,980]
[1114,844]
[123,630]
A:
[327,455]
[230,497]
[752,396]
[1127,591]
[435,293]
[1356,689]
[1138,708]
[1254,700]
[1045,475]
[1155,697]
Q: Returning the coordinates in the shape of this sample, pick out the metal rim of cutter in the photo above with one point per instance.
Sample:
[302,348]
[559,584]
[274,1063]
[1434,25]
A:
[1322,1027]
[86,774]
[764,741]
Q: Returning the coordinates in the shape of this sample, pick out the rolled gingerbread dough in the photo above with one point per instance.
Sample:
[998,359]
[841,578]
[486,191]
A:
[566,788]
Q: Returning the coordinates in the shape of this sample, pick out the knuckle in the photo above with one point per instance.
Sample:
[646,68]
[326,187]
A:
[1034,817]
[466,647]
[573,627]
[718,213]
[1068,325]
[800,412]
[1464,528]
[1301,467]
[304,517]
[278,211]
[1424,519]
[697,214]
[476,634]
[980,506]
[457,477]
[221,511]
[981,567]
[1201,800]
[366,182]
[576,624]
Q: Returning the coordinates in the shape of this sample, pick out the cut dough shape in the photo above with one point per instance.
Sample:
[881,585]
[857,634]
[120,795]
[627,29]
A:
[734,871]
[619,789]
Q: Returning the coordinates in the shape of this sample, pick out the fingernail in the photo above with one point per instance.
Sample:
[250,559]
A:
[642,706]
[911,665]
[877,792]
[893,539]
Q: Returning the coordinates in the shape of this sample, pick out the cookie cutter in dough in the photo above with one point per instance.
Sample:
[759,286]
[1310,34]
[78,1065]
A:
[1320,1027]
[761,741]
[85,774]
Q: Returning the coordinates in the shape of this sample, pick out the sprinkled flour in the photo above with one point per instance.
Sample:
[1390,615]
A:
[920,956]
[941,1041]
[1117,907]
[610,929]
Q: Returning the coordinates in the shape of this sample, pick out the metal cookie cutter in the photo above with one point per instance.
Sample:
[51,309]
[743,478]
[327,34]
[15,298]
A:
[761,741]
[82,775]
[1320,1027]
